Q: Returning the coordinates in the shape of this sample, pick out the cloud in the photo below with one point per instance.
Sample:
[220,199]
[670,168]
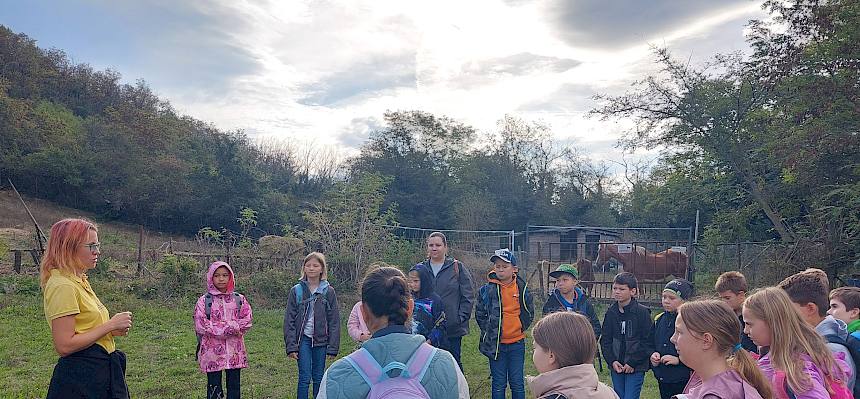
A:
[358,131]
[621,23]
[569,98]
[327,70]
[166,43]
[487,71]
[374,75]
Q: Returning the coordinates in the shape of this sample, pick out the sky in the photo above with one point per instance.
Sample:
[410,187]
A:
[325,71]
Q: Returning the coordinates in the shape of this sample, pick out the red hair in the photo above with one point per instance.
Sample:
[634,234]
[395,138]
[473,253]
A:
[66,238]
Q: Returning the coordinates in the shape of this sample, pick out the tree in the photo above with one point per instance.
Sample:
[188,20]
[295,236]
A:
[417,150]
[712,114]
[348,225]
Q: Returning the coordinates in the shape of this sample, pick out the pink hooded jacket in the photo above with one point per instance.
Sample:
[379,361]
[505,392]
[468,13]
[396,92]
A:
[355,326]
[223,345]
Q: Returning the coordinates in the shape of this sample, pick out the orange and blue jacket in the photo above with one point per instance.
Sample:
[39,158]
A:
[504,312]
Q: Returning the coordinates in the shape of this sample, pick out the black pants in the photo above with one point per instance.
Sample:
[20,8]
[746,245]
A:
[668,389]
[213,384]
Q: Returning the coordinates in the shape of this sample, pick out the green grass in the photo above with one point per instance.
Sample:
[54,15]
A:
[160,350]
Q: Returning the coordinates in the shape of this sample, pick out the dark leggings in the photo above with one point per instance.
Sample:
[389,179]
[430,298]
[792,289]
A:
[668,390]
[213,384]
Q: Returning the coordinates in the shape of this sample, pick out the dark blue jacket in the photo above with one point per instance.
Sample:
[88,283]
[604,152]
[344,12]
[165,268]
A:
[664,328]
[581,305]
[428,316]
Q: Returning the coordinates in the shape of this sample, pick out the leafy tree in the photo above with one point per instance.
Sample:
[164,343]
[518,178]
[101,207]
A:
[347,224]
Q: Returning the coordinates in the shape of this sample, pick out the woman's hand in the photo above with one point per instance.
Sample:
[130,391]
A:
[119,333]
[670,360]
[121,321]
[68,341]
[293,355]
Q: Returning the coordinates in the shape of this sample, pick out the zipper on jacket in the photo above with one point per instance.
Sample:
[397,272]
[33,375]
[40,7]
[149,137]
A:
[304,320]
[523,300]
[499,338]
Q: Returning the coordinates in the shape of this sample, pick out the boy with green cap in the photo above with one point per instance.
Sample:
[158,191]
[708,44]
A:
[568,297]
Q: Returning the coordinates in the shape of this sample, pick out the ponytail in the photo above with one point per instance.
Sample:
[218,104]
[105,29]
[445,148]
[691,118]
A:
[714,317]
[742,362]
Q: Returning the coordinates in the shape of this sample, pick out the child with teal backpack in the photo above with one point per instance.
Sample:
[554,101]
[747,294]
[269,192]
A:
[312,324]
[394,363]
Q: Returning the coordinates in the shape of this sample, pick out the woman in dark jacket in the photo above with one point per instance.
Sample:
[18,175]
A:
[453,283]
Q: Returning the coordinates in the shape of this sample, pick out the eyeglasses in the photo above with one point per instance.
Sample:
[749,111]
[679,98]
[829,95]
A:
[93,247]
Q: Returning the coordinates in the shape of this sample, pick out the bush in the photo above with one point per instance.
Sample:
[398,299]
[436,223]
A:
[20,285]
[403,253]
[104,266]
[268,288]
[179,277]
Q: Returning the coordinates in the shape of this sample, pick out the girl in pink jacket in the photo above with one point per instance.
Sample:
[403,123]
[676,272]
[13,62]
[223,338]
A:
[356,327]
[221,318]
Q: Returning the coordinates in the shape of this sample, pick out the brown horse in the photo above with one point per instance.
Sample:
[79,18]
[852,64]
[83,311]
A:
[644,265]
[586,274]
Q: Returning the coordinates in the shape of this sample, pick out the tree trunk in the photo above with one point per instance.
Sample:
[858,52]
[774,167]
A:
[762,199]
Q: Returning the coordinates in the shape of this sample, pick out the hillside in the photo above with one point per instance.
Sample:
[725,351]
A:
[17,231]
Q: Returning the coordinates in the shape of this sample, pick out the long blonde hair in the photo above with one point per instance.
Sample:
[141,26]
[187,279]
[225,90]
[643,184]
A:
[66,238]
[319,257]
[719,320]
[791,337]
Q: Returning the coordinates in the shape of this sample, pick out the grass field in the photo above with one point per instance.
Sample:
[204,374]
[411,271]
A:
[160,349]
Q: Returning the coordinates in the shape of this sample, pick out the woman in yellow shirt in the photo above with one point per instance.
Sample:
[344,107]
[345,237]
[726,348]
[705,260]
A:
[82,331]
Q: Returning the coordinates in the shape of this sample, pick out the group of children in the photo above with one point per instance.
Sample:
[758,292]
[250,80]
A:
[797,340]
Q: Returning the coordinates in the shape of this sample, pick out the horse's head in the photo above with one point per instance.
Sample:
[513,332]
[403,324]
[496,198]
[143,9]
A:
[603,253]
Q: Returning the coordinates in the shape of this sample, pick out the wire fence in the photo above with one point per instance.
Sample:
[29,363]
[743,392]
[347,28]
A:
[654,255]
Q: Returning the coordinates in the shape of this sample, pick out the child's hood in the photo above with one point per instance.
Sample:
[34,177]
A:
[323,286]
[426,279]
[210,285]
[832,326]
[493,278]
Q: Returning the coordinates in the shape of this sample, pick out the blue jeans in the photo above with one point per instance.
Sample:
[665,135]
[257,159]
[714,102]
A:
[454,344]
[311,366]
[627,386]
[507,368]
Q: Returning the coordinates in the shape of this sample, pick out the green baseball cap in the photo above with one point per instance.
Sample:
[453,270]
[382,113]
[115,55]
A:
[565,268]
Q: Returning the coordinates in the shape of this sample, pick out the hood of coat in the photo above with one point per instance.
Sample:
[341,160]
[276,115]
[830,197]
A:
[322,287]
[578,294]
[210,285]
[492,278]
[832,326]
[426,278]
[579,381]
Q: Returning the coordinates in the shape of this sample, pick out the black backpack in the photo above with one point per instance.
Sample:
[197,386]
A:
[853,346]
[207,306]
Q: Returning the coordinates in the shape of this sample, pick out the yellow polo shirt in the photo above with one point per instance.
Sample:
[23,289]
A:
[67,294]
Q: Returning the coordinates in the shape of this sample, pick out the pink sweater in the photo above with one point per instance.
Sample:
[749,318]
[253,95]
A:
[356,325]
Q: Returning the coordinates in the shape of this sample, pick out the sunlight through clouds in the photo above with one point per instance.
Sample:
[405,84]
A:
[326,71]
